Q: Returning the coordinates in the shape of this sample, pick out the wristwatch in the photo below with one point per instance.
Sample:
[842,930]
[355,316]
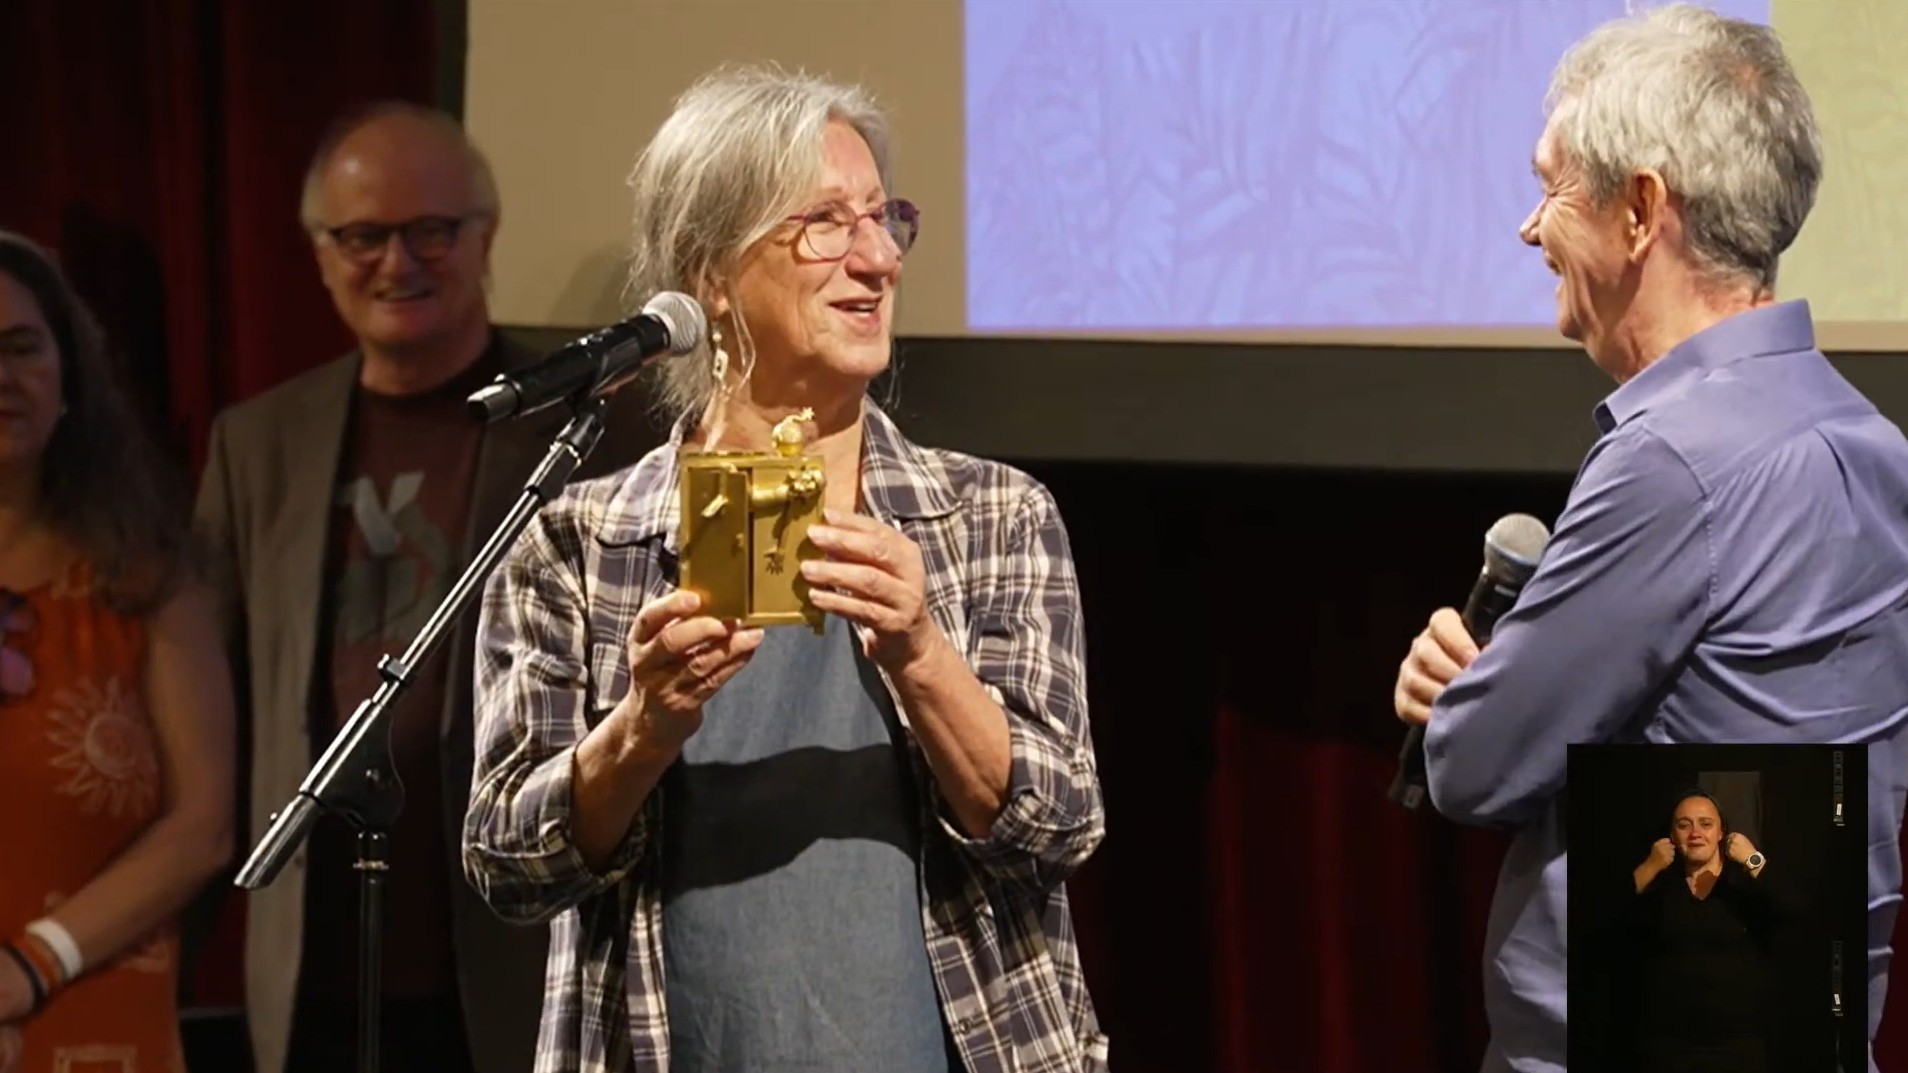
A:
[1755,861]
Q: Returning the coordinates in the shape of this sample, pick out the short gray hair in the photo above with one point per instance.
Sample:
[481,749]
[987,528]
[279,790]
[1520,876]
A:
[483,181]
[1712,104]
[739,153]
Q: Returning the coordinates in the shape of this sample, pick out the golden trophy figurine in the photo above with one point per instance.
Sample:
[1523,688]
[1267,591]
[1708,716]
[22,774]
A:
[745,519]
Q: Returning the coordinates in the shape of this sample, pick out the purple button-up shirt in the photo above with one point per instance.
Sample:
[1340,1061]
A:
[1732,566]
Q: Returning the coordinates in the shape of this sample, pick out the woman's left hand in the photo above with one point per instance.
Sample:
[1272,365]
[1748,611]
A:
[873,576]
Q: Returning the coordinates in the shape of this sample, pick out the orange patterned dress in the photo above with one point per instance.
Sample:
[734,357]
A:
[79,783]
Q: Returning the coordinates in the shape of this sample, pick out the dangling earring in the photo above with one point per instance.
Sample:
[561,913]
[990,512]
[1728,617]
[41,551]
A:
[712,417]
[719,361]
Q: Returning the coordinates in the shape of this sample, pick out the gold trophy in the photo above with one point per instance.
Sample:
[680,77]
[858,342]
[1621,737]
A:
[745,519]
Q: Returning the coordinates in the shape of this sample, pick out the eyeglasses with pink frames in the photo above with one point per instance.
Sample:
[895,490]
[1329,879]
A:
[828,231]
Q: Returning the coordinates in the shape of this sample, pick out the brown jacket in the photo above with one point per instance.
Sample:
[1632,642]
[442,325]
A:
[264,504]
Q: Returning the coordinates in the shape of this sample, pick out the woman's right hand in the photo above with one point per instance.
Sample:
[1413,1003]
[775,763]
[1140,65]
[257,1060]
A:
[677,661]
[1663,853]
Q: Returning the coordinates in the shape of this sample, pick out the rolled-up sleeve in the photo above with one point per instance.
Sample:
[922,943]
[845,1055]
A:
[1029,651]
[532,708]
[1615,605]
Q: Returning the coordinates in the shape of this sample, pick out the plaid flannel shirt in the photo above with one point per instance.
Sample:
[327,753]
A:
[551,663]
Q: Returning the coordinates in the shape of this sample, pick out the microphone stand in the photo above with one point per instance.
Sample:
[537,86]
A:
[355,778]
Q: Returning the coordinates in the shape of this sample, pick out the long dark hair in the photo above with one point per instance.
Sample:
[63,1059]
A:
[103,484]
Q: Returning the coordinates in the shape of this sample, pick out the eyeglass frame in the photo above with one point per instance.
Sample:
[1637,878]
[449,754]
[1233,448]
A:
[402,231]
[804,219]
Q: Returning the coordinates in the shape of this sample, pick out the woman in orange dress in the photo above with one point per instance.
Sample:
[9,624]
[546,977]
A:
[116,722]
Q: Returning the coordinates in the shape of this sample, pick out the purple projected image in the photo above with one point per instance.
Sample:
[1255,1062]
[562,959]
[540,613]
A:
[1186,164]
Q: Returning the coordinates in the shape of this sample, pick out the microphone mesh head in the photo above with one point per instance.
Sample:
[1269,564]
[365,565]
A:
[1513,546]
[682,315]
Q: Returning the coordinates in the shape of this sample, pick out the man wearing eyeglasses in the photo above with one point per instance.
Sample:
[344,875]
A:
[344,504]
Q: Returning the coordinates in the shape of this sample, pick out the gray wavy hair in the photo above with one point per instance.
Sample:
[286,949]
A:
[741,151]
[1712,104]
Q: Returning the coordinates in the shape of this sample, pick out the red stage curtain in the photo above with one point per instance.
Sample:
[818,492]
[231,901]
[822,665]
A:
[160,146]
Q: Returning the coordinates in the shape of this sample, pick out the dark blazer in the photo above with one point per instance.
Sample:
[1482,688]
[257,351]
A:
[264,505]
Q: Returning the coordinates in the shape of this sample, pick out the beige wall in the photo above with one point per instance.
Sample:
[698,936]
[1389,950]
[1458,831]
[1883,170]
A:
[563,93]
[1851,261]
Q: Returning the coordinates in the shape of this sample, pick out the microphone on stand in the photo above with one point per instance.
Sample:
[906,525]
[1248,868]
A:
[671,323]
[354,777]
[1512,548]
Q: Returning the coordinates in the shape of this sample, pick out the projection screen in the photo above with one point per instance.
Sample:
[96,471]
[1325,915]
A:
[1340,175]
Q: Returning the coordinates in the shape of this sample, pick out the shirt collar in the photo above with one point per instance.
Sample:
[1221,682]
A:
[1782,328]
[899,480]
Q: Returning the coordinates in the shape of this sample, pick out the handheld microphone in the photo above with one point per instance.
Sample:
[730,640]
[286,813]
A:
[671,323]
[1511,550]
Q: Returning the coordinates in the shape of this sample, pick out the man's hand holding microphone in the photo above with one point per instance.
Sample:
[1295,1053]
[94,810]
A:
[1437,655]
[1452,640]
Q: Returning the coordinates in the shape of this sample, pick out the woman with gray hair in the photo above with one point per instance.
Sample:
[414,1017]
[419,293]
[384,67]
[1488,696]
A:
[841,849]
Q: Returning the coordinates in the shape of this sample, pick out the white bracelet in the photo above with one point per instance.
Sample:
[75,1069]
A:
[60,941]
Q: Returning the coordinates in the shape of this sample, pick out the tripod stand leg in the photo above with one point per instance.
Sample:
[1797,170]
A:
[372,867]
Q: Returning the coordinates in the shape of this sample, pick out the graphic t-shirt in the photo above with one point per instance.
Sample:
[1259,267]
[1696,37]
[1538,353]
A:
[399,515]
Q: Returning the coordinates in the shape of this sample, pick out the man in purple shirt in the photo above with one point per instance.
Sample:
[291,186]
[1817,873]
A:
[1732,564]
